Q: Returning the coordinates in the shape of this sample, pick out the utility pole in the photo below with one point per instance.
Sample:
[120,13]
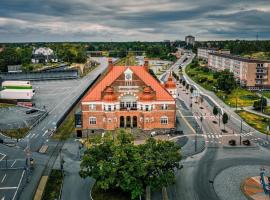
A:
[241,132]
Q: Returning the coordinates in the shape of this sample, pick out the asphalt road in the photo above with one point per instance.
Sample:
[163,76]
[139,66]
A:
[196,180]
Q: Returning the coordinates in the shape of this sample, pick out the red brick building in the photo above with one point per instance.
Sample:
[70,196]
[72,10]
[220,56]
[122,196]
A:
[129,97]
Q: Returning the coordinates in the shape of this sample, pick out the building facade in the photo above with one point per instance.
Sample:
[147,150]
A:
[203,53]
[251,73]
[128,97]
[190,40]
[43,55]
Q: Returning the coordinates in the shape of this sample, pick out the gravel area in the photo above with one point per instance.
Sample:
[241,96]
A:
[227,184]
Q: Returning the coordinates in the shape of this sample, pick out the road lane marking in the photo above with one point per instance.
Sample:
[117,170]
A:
[44,133]
[43,128]
[3,198]
[13,163]
[3,178]
[18,185]
[8,188]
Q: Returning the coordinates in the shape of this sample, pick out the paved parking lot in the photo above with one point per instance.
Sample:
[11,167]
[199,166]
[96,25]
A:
[51,93]
[15,117]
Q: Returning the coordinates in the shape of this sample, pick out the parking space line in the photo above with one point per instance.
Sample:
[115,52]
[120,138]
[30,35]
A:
[13,163]
[3,178]
[18,185]
[3,156]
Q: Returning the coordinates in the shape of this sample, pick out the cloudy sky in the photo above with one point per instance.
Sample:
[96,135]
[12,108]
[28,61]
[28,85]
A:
[130,20]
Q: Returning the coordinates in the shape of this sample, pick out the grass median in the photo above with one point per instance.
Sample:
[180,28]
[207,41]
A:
[66,128]
[53,187]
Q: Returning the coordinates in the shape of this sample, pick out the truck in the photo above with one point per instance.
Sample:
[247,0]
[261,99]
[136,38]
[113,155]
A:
[16,85]
[18,94]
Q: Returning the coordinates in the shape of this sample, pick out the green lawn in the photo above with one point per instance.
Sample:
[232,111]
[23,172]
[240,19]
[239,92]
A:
[16,133]
[206,80]
[202,77]
[266,94]
[239,96]
[98,194]
[53,186]
[6,105]
[256,121]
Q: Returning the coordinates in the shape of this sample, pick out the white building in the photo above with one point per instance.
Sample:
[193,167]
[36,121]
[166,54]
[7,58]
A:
[203,53]
[43,55]
[190,40]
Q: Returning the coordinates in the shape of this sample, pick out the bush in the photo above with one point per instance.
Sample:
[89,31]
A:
[202,79]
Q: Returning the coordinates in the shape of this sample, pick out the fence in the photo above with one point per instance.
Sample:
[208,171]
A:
[43,75]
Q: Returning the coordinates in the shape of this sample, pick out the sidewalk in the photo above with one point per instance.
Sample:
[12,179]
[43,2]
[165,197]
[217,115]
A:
[73,186]
[250,109]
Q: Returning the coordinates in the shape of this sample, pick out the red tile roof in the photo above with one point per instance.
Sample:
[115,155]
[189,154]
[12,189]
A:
[94,94]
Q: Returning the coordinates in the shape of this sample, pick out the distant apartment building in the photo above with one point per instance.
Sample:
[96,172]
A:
[190,40]
[251,73]
[202,53]
[43,55]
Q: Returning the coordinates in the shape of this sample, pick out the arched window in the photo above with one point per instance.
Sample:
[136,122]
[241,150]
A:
[92,120]
[164,120]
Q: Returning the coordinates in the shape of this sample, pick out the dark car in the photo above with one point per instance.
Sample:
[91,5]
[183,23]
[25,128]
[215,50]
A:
[246,142]
[31,111]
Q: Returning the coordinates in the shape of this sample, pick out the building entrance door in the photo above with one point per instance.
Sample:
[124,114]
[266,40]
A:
[135,121]
[128,125]
[122,122]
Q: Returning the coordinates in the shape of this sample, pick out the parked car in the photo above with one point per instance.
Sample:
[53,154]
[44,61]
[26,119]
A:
[31,111]
[232,142]
[246,142]
[1,141]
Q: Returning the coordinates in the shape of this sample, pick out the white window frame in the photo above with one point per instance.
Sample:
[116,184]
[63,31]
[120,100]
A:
[164,106]
[164,120]
[92,120]
[92,107]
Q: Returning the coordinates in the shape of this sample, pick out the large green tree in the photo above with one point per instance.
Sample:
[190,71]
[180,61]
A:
[226,81]
[119,164]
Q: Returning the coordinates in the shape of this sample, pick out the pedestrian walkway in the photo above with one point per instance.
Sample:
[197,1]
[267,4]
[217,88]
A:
[213,138]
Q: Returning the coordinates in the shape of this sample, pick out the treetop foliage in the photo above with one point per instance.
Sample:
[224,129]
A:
[116,163]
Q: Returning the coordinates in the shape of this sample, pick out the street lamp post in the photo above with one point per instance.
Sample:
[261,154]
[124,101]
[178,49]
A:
[241,132]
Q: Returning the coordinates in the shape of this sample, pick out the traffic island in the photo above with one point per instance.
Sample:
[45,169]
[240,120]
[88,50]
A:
[253,189]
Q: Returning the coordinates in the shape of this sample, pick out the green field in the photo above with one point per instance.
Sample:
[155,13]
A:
[258,122]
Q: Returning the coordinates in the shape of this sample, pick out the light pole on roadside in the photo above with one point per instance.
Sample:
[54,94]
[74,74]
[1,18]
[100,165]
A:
[241,131]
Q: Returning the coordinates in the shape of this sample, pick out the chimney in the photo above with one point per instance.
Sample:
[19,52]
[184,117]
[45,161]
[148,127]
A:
[110,66]
[146,64]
